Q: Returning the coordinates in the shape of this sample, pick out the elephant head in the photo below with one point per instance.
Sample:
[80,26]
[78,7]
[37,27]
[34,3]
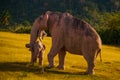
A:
[39,24]
[38,50]
[44,22]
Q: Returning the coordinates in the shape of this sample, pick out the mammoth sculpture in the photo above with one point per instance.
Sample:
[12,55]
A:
[38,52]
[68,34]
[38,47]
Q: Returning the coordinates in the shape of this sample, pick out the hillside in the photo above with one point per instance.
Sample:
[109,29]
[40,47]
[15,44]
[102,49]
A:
[28,10]
[15,58]
[104,15]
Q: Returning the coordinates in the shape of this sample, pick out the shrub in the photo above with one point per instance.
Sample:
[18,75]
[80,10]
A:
[110,36]
[22,29]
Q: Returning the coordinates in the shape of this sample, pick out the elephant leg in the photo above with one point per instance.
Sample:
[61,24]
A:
[33,58]
[91,63]
[61,57]
[40,58]
[57,44]
[51,56]
[53,52]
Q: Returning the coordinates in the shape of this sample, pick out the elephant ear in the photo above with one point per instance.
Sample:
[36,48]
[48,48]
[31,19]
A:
[46,17]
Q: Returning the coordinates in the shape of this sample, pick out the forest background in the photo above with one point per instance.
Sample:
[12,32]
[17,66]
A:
[104,15]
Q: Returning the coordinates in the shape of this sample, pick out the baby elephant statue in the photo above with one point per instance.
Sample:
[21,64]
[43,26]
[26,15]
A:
[37,52]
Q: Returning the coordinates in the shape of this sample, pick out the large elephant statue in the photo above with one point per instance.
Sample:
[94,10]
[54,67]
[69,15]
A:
[68,34]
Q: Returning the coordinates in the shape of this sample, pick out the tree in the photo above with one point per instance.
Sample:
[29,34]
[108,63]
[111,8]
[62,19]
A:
[114,22]
[5,18]
[111,35]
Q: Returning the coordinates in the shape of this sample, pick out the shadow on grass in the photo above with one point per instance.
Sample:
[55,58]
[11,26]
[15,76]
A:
[16,66]
[64,72]
[23,66]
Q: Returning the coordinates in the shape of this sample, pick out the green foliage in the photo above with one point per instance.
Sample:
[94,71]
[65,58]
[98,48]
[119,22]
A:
[114,22]
[17,28]
[26,23]
[30,9]
[4,18]
[109,36]
[22,29]
[99,13]
[111,33]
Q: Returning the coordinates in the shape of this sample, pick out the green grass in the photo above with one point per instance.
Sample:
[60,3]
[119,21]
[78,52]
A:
[15,58]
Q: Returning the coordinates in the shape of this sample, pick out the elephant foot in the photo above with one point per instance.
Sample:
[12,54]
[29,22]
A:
[41,70]
[49,67]
[60,67]
[31,65]
[89,73]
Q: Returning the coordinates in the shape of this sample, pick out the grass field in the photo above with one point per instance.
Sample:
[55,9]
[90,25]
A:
[14,62]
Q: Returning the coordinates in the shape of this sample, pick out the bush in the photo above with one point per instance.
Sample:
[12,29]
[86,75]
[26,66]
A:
[17,28]
[22,29]
[110,36]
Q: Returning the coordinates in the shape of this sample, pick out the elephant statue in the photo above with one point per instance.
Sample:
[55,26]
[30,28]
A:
[38,47]
[68,34]
[38,52]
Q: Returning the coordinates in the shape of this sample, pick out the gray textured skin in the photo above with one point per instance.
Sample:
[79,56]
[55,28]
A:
[68,34]
[38,52]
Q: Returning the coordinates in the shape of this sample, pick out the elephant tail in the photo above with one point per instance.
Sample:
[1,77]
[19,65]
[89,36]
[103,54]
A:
[99,52]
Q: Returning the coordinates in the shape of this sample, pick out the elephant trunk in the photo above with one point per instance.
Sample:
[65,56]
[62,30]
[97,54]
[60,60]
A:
[34,34]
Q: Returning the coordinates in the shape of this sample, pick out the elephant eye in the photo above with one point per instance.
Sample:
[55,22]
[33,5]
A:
[41,17]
